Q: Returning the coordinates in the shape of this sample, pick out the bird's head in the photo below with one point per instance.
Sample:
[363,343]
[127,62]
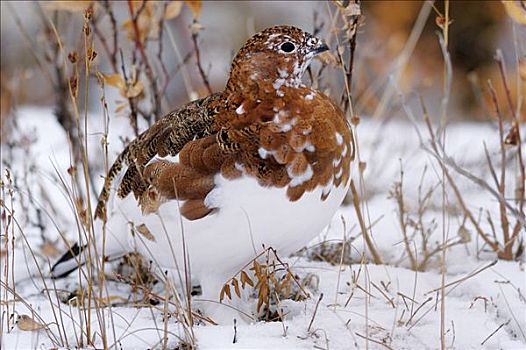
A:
[279,55]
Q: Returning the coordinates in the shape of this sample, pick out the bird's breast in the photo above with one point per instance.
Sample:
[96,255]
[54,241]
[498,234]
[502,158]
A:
[302,139]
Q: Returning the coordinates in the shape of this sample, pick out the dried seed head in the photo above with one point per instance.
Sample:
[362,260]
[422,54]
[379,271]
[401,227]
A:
[73,85]
[73,57]
[91,54]
[72,170]
[88,13]
[362,166]
[86,29]
[440,21]
[513,138]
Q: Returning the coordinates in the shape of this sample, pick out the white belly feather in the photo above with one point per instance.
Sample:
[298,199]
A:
[249,217]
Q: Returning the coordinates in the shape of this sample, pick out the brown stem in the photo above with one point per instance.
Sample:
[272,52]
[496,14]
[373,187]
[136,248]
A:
[160,51]
[353,31]
[199,65]
[356,201]
[139,45]
[494,246]
[115,31]
[131,101]
[515,127]
[112,54]
[501,185]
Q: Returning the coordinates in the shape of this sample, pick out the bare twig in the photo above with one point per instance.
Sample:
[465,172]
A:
[374,341]
[495,331]
[315,312]
[195,35]
[460,280]
[356,201]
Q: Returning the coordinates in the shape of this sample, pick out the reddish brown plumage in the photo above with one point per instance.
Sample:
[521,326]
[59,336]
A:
[265,124]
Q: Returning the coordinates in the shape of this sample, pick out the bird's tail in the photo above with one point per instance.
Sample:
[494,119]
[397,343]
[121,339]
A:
[69,262]
[75,258]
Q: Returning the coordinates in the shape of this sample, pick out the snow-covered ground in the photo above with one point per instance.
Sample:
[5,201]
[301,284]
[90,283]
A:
[363,305]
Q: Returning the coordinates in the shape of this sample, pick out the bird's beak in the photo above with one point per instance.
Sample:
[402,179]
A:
[322,47]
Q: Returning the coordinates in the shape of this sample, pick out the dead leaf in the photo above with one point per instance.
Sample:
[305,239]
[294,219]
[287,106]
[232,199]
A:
[225,290]
[114,80]
[235,284]
[286,281]
[222,294]
[26,323]
[132,90]
[264,291]
[246,280]
[147,24]
[329,58]
[173,9]
[71,6]
[515,11]
[143,230]
[257,269]
[194,6]
[263,294]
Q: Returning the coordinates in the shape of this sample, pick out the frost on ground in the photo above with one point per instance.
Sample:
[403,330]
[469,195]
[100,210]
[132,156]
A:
[352,304]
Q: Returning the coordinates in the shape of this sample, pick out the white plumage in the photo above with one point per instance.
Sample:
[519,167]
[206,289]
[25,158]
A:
[249,217]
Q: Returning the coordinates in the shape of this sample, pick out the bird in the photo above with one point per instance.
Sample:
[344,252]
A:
[264,163]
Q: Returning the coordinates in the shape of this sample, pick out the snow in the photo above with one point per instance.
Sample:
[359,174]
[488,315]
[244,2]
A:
[360,300]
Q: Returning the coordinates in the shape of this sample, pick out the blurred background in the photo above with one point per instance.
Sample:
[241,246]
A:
[397,41]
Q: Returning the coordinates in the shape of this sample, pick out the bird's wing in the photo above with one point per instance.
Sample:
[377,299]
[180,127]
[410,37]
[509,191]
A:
[166,137]
[189,180]
[192,178]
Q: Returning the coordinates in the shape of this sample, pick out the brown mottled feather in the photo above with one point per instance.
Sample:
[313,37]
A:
[166,137]
[273,132]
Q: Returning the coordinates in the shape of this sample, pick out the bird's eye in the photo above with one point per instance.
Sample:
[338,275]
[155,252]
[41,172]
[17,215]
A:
[287,47]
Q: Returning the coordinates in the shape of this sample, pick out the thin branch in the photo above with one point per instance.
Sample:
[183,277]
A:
[198,61]
[356,201]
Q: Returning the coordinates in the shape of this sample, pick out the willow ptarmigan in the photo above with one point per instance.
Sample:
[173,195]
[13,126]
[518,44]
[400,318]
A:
[264,163]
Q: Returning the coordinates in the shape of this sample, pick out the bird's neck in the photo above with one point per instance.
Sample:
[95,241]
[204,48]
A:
[258,73]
